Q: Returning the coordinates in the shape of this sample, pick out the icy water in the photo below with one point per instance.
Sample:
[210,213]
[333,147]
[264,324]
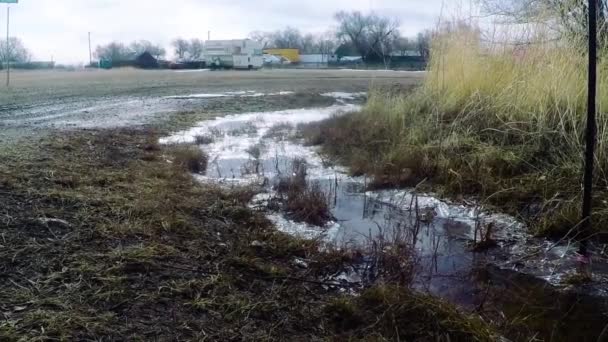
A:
[258,149]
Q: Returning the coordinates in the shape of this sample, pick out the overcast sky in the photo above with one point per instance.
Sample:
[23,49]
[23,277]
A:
[58,29]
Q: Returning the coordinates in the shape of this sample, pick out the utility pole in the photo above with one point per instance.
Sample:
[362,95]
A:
[590,133]
[8,46]
[90,53]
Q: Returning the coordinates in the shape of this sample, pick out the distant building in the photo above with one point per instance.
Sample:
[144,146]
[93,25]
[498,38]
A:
[146,61]
[318,59]
[236,53]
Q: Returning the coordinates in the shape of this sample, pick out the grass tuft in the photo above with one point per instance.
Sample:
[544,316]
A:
[190,158]
[204,139]
[401,315]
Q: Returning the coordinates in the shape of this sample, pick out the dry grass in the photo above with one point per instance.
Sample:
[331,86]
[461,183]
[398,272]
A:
[390,307]
[204,139]
[308,204]
[303,201]
[280,131]
[501,123]
[190,158]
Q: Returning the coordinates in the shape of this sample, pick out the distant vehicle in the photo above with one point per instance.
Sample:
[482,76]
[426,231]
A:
[293,55]
[275,60]
[236,53]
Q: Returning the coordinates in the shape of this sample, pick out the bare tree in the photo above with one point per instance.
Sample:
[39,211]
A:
[289,38]
[195,49]
[326,43]
[115,51]
[265,38]
[141,46]
[372,35]
[352,27]
[383,32]
[566,17]
[180,48]
[423,44]
[309,44]
[15,51]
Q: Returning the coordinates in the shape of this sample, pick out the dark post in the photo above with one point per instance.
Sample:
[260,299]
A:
[90,53]
[591,127]
[8,46]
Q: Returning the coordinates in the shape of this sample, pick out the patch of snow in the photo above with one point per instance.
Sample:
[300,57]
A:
[304,230]
[344,95]
[244,93]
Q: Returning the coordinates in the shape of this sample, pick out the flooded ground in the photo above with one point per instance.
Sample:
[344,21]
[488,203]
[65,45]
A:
[258,149]
[39,101]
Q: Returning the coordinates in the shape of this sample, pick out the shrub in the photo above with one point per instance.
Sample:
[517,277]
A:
[191,158]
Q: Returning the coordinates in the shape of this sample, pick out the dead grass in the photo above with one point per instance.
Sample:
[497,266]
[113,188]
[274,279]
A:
[204,139]
[190,158]
[303,201]
[390,308]
[308,204]
[102,239]
[517,178]
[280,131]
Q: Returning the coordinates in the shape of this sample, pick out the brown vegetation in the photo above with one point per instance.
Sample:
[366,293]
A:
[301,200]
[103,239]
[190,158]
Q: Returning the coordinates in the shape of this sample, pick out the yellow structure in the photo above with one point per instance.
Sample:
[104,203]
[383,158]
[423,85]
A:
[292,54]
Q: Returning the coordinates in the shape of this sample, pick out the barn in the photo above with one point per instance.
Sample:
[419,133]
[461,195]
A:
[146,61]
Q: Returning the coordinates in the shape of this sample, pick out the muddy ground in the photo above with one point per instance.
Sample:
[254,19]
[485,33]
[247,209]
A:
[37,101]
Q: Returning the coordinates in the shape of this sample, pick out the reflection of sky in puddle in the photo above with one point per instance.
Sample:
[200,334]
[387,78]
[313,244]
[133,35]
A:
[245,93]
[441,245]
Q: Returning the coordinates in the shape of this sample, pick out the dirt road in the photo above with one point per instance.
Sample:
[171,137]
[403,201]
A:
[40,100]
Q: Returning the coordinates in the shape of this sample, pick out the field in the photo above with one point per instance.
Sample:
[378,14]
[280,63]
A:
[106,236]
[117,98]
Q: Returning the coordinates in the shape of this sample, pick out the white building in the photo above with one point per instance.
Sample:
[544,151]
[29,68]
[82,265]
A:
[318,59]
[236,53]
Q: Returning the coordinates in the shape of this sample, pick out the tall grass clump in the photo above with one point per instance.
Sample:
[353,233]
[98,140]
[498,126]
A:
[190,158]
[501,121]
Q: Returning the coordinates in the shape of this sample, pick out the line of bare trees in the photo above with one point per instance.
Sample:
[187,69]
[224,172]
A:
[371,36]
[188,50]
[183,49]
[118,51]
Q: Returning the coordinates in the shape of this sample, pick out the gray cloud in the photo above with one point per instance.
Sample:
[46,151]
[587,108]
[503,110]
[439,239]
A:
[59,28]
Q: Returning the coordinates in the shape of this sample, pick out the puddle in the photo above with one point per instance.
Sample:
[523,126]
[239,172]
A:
[344,96]
[256,149]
